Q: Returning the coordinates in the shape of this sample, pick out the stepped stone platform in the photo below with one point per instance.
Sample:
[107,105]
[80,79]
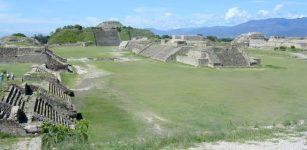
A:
[107,37]
[222,56]
[196,53]
[153,50]
[30,104]
[37,55]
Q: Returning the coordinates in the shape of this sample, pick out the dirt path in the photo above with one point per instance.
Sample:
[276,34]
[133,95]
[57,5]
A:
[289,143]
[90,74]
[300,56]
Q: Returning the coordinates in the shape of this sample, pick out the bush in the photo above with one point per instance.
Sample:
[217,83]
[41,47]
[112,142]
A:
[19,35]
[292,47]
[287,123]
[166,37]
[283,48]
[61,137]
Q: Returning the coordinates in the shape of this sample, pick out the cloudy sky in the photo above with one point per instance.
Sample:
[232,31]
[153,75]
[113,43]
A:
[43,16]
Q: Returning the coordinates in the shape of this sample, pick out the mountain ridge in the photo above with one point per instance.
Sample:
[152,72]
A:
[270,27]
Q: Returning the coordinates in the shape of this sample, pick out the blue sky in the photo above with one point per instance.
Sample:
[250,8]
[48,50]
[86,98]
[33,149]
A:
[43,16]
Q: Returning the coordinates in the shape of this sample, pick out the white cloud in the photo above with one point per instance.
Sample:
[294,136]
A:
[294,16]
[263,13]
[236,15]
[278,7]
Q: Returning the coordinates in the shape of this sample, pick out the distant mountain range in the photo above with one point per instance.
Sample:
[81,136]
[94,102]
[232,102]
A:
[270,27]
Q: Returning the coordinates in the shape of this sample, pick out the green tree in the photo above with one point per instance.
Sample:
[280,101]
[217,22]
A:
[212,38]
[19,35]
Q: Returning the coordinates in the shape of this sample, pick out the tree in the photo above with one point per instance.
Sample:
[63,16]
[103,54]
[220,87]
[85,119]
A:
[79,27]
[166,37]
[19,35]
[212,38]
[41,38]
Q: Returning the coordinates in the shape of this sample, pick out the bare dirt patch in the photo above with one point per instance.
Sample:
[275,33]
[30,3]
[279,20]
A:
[287,143]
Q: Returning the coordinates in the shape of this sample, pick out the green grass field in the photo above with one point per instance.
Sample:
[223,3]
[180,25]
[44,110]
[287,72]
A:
[18,69]
[151,100]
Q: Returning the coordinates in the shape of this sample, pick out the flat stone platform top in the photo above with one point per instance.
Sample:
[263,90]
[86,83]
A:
[110,25]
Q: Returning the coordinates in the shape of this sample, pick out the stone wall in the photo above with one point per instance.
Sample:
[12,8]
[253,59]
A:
[37,55]
[11,127]
[187,38]
[192,61]
[40,77]
[288,42]
[107,38]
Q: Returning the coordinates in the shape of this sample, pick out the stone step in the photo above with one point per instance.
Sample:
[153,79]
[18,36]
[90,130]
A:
[18,98]
[11,91]
[13,97]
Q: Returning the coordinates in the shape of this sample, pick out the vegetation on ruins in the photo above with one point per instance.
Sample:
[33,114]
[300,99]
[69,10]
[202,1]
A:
[72,34]
[77,33]
[19,40]
[127,33]
[62,138]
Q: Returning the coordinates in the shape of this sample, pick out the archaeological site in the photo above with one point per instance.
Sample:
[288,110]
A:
[192,50]
[153,75]
[39,96]
[259,40]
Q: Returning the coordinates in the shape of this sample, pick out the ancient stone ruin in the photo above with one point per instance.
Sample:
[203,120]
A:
[251,40]
[110,25]
[108,34]
[40,97]
[38,55]
[259,40]
[191,50]
[27,105]
[217,56]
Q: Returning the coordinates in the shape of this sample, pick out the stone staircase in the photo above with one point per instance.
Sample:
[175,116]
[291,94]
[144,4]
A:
[5,110]
[15,97]
[44,111]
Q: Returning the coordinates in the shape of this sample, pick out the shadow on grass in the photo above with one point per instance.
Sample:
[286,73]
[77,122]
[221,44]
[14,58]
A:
[274,67]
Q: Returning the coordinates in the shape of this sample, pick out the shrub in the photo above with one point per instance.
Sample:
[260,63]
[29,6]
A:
[292,47]
[283,48]
[62,137]
[287,123]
